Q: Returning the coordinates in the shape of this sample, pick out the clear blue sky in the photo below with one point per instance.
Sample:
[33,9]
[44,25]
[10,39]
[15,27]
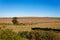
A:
[38,8]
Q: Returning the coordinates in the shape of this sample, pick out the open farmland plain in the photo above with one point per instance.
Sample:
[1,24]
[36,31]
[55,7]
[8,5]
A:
[30,22]
[27,23]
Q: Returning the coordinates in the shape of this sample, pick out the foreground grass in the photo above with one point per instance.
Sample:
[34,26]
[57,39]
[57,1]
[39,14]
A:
[45,35]
[10,35]
[7,34]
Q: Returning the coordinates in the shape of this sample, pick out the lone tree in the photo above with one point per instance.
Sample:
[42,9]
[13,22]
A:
[14,21]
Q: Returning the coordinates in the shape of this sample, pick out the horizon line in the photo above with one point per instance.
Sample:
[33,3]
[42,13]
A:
[32,16]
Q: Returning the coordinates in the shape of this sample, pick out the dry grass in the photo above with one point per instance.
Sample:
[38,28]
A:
[27,23]
[27,27]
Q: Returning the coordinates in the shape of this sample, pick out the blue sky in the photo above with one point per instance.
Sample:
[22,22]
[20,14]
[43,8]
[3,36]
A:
[31,8]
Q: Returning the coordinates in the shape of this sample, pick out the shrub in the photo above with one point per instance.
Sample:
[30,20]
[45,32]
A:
[25,34]
[14,21]
[44,35]
[10,35]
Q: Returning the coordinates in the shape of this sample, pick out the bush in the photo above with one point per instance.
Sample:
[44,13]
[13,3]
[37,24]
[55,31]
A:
[44,35]
[38,35]
[25,34]
[10,35]
[14,21]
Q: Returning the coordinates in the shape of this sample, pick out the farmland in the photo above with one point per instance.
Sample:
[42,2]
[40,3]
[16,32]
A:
[27,23]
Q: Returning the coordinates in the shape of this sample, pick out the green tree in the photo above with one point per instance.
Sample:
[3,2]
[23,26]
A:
[14,21]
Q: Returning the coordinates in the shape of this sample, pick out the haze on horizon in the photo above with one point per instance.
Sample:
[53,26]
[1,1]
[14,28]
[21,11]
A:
[29,8]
